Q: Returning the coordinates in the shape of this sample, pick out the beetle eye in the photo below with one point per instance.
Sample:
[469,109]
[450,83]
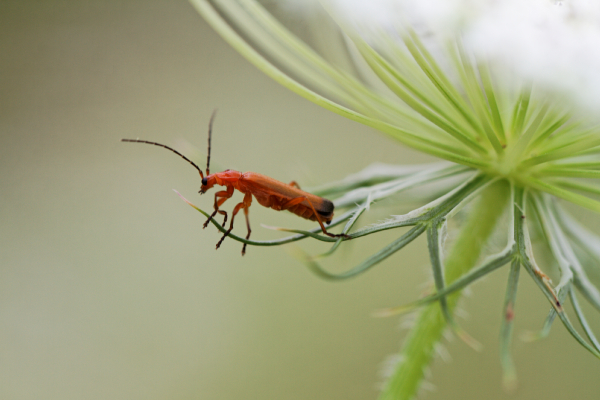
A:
[204,181]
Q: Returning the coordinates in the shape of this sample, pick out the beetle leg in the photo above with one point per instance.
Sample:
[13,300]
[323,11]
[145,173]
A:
[299,200]
[244,204]
[222,212]
[224,195]
[294,184]
[247,197]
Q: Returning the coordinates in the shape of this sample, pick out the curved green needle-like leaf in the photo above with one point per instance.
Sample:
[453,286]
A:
[490,265]
[583,321]
[369,262]
[506,331]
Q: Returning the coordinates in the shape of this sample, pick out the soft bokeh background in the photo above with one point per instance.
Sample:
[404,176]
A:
[109,288]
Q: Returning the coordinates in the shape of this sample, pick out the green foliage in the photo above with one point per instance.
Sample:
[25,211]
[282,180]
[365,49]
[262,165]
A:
[513,151]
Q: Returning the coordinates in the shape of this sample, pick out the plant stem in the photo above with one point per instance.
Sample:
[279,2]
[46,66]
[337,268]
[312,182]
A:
[419,347]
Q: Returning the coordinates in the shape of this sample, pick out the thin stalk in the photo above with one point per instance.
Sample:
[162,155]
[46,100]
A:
[419,348]
[506,332]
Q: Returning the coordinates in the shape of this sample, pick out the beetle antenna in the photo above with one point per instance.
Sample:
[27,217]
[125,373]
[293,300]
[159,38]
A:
[168,148]
[210,124]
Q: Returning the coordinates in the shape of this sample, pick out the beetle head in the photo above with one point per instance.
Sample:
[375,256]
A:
[207,183]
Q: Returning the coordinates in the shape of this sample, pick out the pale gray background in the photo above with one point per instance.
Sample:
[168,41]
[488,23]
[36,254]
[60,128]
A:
[109,288]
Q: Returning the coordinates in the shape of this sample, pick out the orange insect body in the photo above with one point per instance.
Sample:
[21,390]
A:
[268,192]
[274,194]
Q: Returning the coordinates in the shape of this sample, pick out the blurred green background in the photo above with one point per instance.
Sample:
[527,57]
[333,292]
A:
[109,288]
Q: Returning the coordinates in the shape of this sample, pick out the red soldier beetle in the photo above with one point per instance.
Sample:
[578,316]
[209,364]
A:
[268,192]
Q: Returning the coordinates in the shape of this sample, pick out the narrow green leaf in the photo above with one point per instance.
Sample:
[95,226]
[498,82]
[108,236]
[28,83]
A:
[571,184]
[389,188]
[437,208]
[526,255]
[460,196]
[506,331]
[587,289]
[572,172]
[522,144]
[315,235]
[446,87]
[583,321]
[370,262]
[434,242]
[490,95]
[573,145]
[372,175]
[561,314]
[593,163]
[305,54]
[286,53]
[553,127]
[522,107]
[545,331]
[429,100]
[394,81]
[514,117]
[555,239]
[442,83]
[526,251]
[557,191]
[491,264]
[476,96]
[589,242]
[351,221]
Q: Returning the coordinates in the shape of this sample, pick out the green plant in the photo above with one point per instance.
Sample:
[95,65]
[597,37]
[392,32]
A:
[510,144]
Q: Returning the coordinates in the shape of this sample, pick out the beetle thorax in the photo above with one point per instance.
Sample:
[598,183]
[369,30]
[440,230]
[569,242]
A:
[226,178]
